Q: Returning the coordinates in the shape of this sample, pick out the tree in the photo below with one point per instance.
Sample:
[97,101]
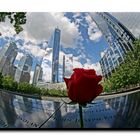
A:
[137,58]
[15,86]
[24,87]
[8,82]
[16,19]
[126,74]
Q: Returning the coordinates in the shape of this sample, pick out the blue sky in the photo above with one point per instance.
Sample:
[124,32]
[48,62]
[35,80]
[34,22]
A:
[91,47]
[80,39]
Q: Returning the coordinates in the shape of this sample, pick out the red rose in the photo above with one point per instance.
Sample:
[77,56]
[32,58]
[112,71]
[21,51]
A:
[83,86]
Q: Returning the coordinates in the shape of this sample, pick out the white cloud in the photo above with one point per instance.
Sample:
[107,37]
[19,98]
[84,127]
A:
[34,50]
[61,54]
[87,65]
[69,65]
[77,15]
[93,31]
[8,31]
[131,20]
[40,26]
[19,56]
[103,53]
[46,72]
[46,65]
[97,67]
[94,36]
[6,28]
[48,51]
[31,77]
[78,19]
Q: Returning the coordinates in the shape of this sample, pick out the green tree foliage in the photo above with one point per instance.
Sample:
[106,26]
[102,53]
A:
[44,91]
[128,73]
[57,92]
[28,88]
[16,19]
[8,83]
[33,90]
[106,85]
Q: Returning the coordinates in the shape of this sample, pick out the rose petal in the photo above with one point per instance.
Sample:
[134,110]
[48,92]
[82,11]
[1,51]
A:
[90,71]
[71,91]
[83,86]
[78,72]
[99,89]
[95,78]
[66,81]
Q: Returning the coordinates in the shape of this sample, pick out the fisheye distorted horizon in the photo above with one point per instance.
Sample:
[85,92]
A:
[81,40]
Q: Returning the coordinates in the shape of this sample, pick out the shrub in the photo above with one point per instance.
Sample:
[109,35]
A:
[8,83]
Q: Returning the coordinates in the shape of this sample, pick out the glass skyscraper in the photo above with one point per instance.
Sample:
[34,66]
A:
[23,70]
[131,20]
[40,78]
[118,37]
[7,57]
[37,72]
[55,55]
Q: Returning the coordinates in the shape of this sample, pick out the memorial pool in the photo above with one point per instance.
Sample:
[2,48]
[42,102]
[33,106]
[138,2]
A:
[121,111]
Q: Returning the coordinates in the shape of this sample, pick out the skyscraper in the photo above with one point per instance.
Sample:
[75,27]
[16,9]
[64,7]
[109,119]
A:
[131,21]
[23,70]
[55,55]
[7,58]
[19,69]
[40,78]
[119,39]
[37,72]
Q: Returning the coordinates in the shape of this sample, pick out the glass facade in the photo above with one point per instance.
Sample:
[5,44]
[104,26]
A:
[55,57]
[28,63]
[23,70]
[119,39]
[131,21]
[40,74]
[7,57]
[19,69]
[36,74]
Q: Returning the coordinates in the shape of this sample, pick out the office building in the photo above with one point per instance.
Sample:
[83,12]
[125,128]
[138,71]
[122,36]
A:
[131,21]
[19,69]
[23,70]
[119,38]
[37,72]
[7,57]
[40,78]
[55,55]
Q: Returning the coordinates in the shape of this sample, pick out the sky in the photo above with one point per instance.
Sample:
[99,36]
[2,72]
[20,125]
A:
[81,41]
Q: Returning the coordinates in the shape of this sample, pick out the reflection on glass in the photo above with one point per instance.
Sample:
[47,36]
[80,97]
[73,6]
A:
[116,112]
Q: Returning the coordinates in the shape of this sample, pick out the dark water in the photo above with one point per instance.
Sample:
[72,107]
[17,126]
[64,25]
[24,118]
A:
[21,112]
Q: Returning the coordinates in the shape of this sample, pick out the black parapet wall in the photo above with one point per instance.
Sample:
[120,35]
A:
[120,111]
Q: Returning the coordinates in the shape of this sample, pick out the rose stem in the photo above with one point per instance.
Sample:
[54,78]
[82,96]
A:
[81,116]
